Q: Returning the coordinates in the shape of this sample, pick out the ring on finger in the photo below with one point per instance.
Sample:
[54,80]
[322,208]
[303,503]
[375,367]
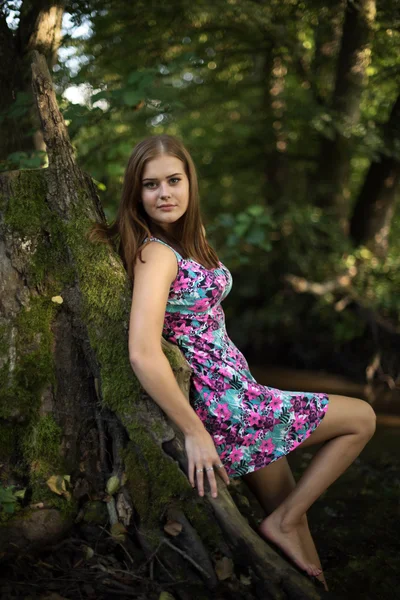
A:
[210,469]
[199,470]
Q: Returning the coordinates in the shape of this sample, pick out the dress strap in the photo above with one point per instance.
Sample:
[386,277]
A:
[179,257]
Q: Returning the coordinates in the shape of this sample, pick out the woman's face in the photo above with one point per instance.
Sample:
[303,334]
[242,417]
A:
[165,184]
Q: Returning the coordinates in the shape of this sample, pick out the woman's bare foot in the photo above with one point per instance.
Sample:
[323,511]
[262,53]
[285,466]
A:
[311,551]
[289,540]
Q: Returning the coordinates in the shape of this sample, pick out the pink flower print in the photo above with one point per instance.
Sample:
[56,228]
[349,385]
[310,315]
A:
[222,411]
[252,392]
[223,455]
[219,440]
[253,418]
[299,422]
[267,446]
[262,406]
[201,356]
[275,403]
[208,336]
[201,305]
[236,455]
[182,283]
[202,413]
[225,372]
[181,329]
[248,439]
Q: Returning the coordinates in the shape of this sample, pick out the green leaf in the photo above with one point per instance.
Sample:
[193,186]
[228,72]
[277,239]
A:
[131,97]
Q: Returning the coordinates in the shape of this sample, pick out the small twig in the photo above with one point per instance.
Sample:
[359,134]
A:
[152,569]
[150,557]
[165,568]
[127,590]
[129,573]
[119,544]
[340,284]
[300,284]
[189,558]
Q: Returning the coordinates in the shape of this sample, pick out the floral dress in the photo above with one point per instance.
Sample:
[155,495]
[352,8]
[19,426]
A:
[251,424]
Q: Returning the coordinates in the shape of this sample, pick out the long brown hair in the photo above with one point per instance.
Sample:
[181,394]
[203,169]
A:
[132,224]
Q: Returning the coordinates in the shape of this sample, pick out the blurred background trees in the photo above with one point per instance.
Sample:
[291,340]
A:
[291,112]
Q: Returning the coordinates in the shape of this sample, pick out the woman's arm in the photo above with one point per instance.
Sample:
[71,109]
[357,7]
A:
[149,299]
[150,294]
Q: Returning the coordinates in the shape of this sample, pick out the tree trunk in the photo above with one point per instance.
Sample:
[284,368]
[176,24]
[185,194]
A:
[327,43]
[374,208]
[71,405]
[330,183]
[39,29]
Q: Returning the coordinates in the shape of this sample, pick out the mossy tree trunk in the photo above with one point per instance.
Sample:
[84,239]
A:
[70,404]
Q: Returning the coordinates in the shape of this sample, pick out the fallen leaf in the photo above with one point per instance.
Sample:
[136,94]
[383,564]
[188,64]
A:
[20,493]
[89,552]
[173,527]
[118,532]
[57,299]
[245,580]
[124,510]
[224,568]
[166,596]
[57,485]
[113,485]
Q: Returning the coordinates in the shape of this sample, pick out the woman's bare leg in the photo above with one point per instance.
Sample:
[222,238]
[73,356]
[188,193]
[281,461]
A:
[346,428]
[271,485]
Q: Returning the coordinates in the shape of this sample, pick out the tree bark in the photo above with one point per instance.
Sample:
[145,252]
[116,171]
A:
[330,183]
[374,208]
[69,390]
[327,42]
[39,29]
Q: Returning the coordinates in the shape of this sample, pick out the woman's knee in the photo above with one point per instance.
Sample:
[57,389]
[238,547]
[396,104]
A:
[367,421]
[345,415]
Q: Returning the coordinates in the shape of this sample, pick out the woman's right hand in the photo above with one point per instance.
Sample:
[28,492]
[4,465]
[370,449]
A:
[202,454]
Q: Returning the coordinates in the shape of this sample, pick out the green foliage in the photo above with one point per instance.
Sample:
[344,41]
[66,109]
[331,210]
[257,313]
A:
[249,87]
[9,501]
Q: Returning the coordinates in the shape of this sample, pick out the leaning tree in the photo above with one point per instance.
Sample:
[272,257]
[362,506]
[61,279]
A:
[77,431]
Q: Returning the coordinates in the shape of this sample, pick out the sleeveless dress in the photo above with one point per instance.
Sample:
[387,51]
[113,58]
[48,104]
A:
[251,424]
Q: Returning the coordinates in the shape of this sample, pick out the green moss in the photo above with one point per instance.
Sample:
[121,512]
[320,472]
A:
[41,446]
[9,435]
[154,481]
[106,298]
[27,355]
[29,215]
[42,493]
[20,391]
[95,512]
[152,478]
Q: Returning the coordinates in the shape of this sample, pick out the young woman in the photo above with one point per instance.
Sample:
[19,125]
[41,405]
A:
[233,426]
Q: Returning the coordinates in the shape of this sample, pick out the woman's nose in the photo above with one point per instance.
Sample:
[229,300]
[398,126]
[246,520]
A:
[164,189]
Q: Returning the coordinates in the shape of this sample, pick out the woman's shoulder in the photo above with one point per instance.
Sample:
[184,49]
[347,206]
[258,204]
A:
[156,239]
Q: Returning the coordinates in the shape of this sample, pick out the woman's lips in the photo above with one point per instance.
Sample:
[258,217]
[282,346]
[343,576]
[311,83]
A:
[167,207]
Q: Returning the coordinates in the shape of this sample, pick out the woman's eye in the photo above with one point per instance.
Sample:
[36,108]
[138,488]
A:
[150,183]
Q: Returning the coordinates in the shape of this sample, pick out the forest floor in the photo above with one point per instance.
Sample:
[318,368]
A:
[355,525]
